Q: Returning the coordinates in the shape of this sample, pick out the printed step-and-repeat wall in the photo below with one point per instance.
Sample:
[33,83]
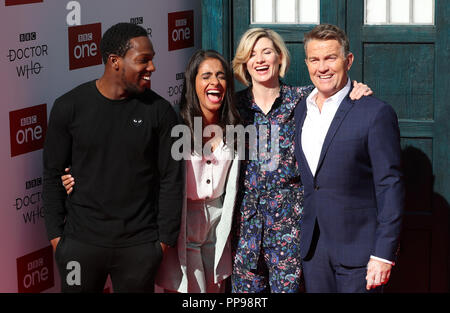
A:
[49,47]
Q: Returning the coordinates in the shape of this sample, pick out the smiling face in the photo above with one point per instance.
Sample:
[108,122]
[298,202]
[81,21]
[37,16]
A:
[210,86]
[264,63]
[327,66]
[137,65]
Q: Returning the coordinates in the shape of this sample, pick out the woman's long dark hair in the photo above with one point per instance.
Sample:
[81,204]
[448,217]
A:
[189,103]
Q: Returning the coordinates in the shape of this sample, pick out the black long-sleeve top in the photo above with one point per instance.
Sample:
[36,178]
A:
[128,188]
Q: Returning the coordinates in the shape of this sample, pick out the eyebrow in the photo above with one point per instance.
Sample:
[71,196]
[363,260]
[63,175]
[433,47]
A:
[326,56]
[152,53]
[210,73]
[270,48]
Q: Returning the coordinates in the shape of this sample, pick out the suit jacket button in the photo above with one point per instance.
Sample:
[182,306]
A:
[316,187]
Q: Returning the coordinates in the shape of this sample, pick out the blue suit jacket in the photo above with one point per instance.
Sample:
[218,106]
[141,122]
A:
[357,193]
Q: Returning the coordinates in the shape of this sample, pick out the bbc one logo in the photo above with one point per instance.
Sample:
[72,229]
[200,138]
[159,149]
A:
[84,45]
[18,2]
[35,271]
[181,30]
[27,129]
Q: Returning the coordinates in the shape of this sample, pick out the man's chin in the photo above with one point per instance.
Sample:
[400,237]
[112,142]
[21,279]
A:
[143,87]
[136,90]
[327,91]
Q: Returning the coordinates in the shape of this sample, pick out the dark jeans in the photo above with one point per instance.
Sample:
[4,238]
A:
[85,268]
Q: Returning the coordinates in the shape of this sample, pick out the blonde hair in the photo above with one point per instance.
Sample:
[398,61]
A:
[245,47]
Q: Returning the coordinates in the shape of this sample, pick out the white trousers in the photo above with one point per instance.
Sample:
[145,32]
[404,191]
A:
[201,224]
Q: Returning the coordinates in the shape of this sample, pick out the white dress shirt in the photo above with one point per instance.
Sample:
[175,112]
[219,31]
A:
[315,129]
[206,175]
[317,123]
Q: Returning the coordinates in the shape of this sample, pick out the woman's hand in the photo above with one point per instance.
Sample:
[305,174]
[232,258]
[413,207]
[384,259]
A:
[68,181]
[359,90]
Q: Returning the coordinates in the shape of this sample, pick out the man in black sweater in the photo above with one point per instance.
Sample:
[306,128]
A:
[115,135]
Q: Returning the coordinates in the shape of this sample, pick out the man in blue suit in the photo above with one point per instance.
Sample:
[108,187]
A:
[349,158]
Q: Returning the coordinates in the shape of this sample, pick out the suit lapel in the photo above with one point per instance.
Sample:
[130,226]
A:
[301,120]
[344,108]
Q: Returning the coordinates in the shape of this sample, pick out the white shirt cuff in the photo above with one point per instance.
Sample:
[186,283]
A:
[382,260]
